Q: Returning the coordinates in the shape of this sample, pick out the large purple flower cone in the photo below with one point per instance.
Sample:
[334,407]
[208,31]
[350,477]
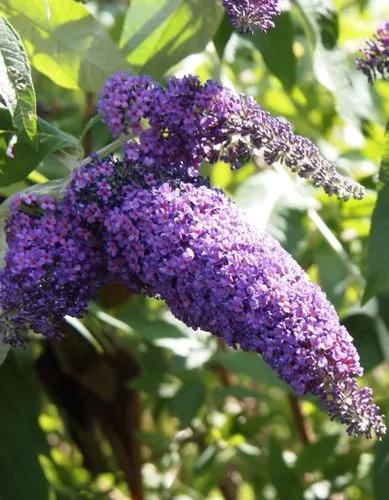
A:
[190,245]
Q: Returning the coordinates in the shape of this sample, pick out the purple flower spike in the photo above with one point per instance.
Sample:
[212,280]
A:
[189,123]
[188,244]
[247,15]
[375,60]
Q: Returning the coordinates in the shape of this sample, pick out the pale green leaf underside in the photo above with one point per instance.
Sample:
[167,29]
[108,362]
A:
[157,34]
[65,42]
[16,87]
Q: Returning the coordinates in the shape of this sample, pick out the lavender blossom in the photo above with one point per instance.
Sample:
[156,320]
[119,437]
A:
[189,123]
[375,60]
[188,244]
[247,15]
[52,268]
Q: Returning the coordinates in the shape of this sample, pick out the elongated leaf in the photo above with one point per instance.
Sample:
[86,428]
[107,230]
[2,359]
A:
[384,169]
[159,33]
[67,44]
[4,350]
[22,441]
[285,480]
[18,160]
[377,268]
[317,455]
[222,36]
[187,402]
[276,48]
[364,330]
[16,87]
[331,66]
[249,364]
[381,470]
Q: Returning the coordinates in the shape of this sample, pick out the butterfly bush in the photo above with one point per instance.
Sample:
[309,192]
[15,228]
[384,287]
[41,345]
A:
[187,243]
[189,122]
[52,268]
[151,222]
[176,238]
[375,55]
[248,15]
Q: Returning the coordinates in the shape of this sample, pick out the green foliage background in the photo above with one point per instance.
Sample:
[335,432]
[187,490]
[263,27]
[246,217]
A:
[132,404]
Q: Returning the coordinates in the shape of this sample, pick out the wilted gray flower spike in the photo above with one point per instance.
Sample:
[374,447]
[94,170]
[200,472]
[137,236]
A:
[190,122]
[269,140]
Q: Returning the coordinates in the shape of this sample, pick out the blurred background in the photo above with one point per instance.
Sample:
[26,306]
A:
[132,404]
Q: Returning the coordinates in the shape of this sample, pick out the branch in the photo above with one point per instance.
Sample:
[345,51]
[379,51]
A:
[303,424]
[113,146]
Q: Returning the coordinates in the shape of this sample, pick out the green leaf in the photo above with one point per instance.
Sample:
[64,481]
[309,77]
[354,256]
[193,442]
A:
[276,48]
[159,33]
[377,267]
[187,402]
[222,36]
[330,64]
[16,87]
[380,473]
[249,364]
[22,441]
[66,43]
[384,169]
[4,350]
[26,157]
[317,455]
[364,330]
[284,479]
[322,20]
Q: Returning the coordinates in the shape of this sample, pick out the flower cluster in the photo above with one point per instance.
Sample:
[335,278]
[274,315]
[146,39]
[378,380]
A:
[188,244]
[180,240]
[375,60]
[188,123]
[52,268]
[247,15]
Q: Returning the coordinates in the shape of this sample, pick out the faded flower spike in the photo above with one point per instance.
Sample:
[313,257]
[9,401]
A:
[247,15]
[375,60]
[189,244]
[189,122]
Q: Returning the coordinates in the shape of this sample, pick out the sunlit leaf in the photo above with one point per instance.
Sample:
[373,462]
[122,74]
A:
[159,33]
[65,42]
[330,63]
[16,87]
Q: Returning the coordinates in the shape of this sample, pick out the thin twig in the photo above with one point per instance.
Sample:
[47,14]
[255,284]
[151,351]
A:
[303,424]
[337,246]
[113,146]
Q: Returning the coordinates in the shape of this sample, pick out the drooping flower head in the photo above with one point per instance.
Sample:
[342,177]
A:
[248,15]
[188,123]
[375,60]
[52,268]
[188,244]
